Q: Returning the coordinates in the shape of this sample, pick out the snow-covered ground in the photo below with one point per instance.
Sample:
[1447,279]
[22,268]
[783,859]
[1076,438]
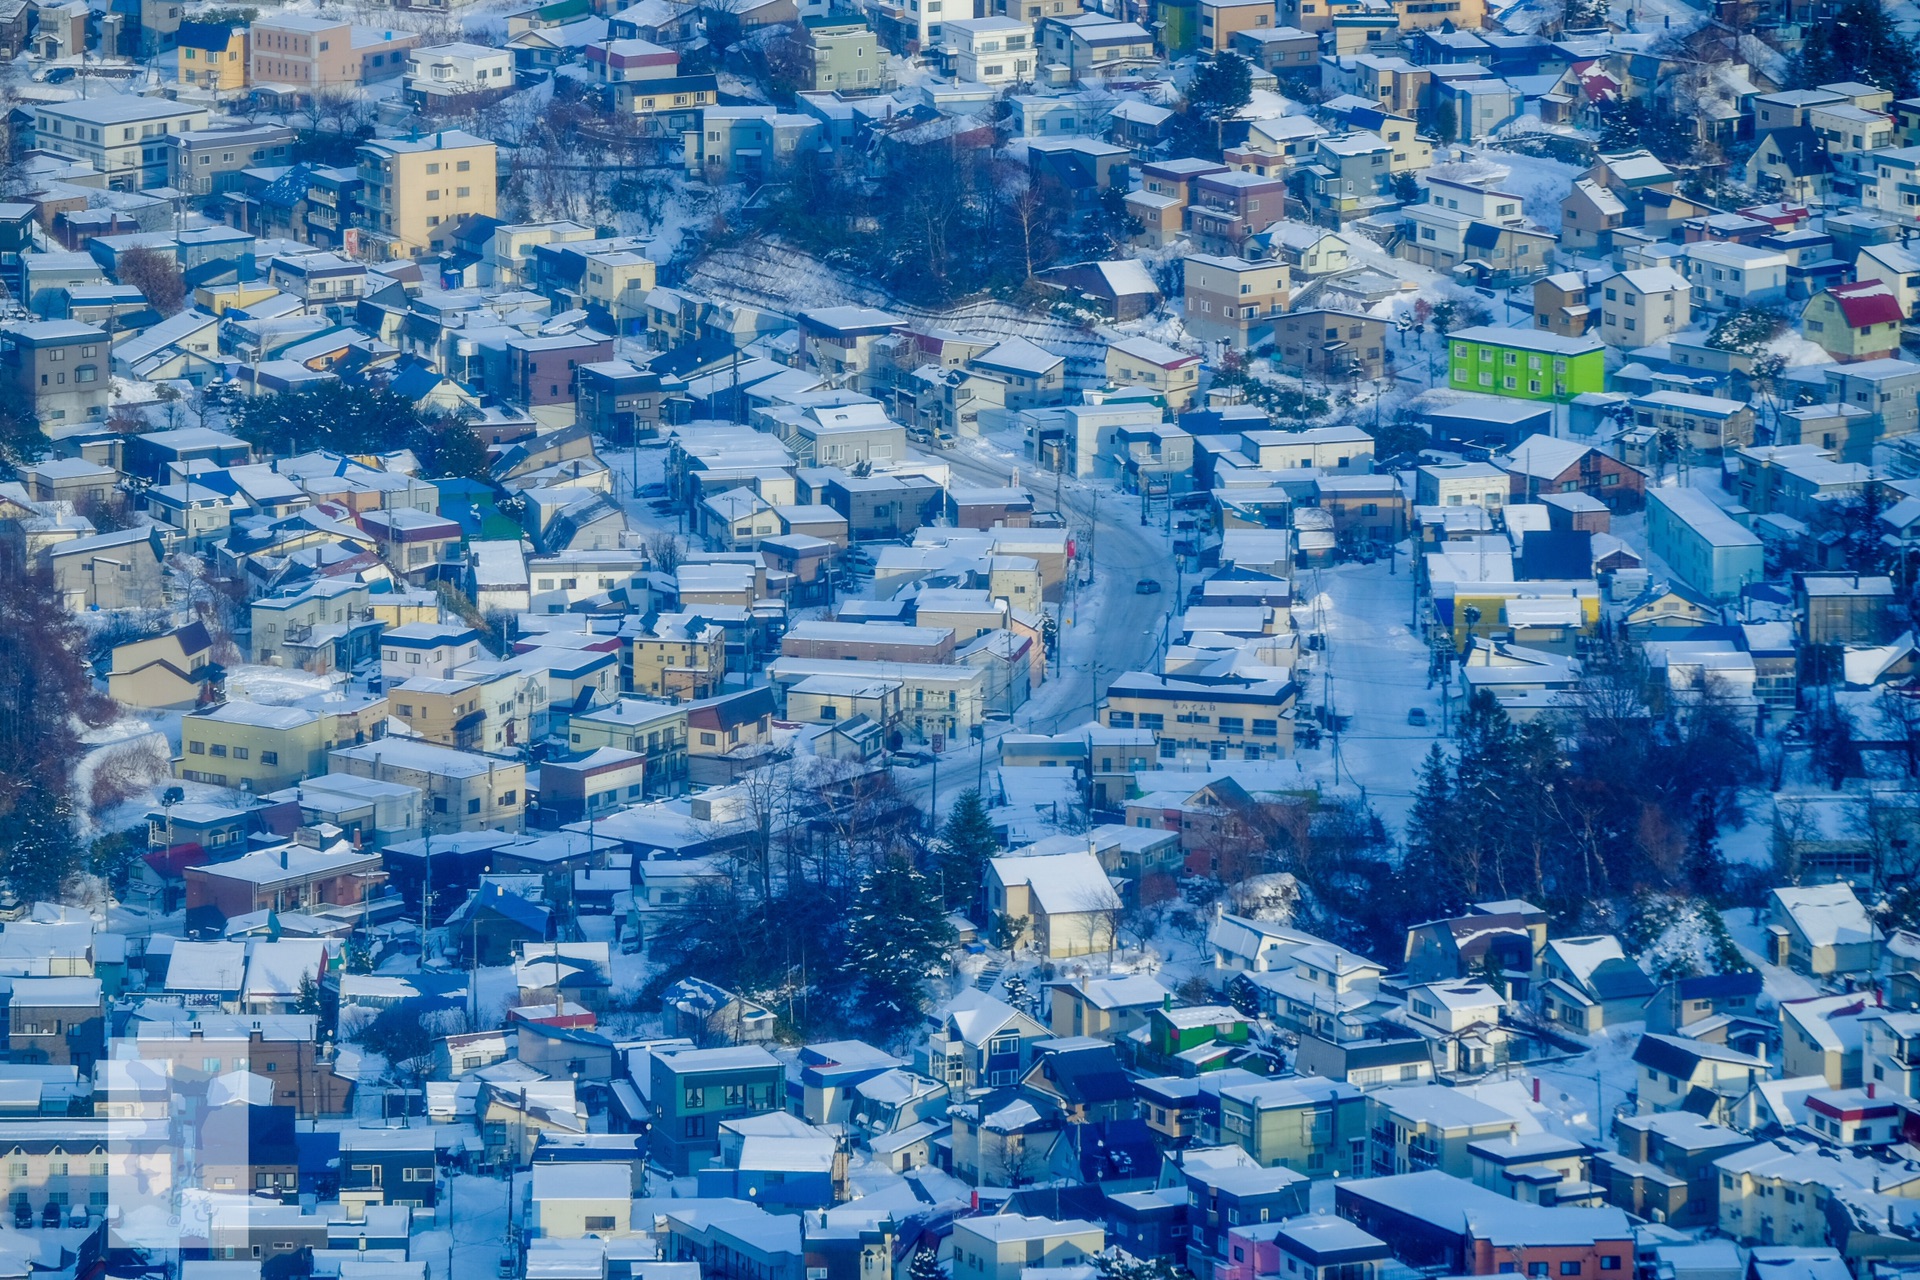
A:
[1373,669]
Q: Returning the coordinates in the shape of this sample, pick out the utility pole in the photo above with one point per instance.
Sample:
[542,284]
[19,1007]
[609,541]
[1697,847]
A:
[1093,530]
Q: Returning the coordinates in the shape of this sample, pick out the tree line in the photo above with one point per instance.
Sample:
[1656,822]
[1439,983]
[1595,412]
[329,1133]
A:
[832,911]
[1626,791]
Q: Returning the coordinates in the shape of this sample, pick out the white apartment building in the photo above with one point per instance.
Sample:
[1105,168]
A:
[458,68]
[990,50]
[123,136]
[1729,276]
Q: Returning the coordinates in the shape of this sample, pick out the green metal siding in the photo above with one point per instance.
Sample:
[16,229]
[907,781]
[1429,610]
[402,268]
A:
[1487,369]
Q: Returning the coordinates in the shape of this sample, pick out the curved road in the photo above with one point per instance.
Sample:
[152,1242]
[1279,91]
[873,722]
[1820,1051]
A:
[1115,629]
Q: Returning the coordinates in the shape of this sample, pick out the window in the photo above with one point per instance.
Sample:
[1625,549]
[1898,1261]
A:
[473,806]
[599,1222]
[1569,1268]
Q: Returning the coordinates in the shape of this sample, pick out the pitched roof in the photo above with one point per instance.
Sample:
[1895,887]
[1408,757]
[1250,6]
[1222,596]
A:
[1802,152]
[1869,302]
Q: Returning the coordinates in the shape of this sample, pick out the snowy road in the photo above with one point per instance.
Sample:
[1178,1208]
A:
[1374,669]
[1107,627]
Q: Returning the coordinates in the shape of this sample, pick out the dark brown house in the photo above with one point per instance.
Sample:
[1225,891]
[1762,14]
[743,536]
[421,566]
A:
[1331,346]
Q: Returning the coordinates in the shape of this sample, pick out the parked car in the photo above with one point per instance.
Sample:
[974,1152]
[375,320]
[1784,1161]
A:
[943,439]
[1146,587]
[1417,715]
[653,490]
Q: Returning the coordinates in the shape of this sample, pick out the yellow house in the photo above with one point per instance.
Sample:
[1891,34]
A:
[219,298]
[414,187]
[398,608]
[1491,600]
[1063,903]
[619,282]
[1419,15]
[261,748]
[1854,321]
[213,56]
[1142,362]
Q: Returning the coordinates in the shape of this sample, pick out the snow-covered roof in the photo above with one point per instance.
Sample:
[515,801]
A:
[1827,915]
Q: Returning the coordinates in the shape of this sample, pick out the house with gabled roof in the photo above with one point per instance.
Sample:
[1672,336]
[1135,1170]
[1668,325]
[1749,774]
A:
[1496,937]
[1543,464]
[1589,984]
[1063,903]
[1105,1008]
[979,1042]
[169,671]
[1678,1074]
[1821,930]
[1791,163]
[1589,215]
[1853,322]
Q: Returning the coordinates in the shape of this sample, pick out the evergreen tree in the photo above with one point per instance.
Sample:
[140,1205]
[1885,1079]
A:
[1706,866]
[1016,992]
[897,938]
[1430,821]
[351,417]
[925,1266]
[21,440]
[1861,42]
[966,843]
[1221,86]
[308,1001]
[451,448]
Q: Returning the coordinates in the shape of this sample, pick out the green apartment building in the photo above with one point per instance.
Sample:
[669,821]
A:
[846,55]
[696,1089]
[1527,364]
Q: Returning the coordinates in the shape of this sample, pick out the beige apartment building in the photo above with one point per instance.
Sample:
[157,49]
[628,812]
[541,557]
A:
[1002,1246]
[937,704]
[674,656]
[656,731]
[494,712]
[306,629]
[1194,720]
[315,53]
[464,791]
[413,187]
[1234,299]
[88,1164]
[1221,20]
[260,748]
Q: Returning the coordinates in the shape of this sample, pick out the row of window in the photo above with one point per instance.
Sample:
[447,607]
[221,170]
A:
[1156,721]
